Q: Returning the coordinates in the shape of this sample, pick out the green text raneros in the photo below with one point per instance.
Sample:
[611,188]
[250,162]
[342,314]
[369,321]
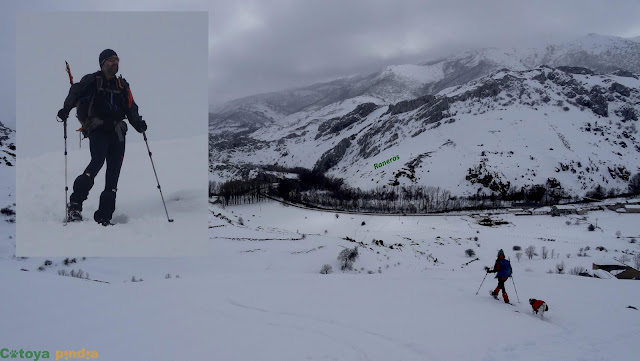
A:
[378,165]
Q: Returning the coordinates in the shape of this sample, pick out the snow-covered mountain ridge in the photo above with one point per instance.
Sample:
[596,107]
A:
[403,82]
[509,128]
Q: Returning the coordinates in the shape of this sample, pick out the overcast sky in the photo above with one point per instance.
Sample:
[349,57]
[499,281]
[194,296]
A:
[269,45]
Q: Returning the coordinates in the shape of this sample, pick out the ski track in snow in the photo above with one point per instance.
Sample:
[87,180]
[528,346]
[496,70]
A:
[342,329]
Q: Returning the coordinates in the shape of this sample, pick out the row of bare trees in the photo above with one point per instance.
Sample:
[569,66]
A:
[317,190]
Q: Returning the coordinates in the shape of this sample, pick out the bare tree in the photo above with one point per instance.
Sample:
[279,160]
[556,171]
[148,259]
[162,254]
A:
[545,252]
[518,255]
[530,251]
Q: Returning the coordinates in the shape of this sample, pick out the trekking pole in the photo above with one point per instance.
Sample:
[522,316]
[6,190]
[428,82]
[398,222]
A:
[64,123]
[144,134]
[514,287]
[485,276]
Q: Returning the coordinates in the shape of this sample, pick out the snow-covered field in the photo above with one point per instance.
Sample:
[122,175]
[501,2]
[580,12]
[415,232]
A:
[142,227]
[258,295]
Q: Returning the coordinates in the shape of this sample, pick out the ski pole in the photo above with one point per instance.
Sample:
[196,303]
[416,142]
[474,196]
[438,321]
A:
[485,276]
[514,287]
[144,134]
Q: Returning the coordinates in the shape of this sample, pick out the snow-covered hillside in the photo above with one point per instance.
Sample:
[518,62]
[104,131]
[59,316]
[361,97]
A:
[7,190]
[411,295]
[518,128]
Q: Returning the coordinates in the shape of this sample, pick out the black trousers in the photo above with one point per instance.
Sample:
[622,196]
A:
[106,146]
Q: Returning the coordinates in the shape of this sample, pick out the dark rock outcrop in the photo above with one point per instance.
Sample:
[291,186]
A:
[332,157]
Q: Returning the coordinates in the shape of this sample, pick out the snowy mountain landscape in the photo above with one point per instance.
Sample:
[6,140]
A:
[282,281]
[503,114]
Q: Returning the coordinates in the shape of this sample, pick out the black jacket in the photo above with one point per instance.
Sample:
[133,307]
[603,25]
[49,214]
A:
[112,102]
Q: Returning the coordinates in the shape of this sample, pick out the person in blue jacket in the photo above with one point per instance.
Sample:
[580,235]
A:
[503,269]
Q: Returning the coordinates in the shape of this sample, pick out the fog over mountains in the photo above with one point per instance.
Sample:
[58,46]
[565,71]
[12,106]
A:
[483,120]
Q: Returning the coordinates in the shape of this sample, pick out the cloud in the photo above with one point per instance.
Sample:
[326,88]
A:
[261,46]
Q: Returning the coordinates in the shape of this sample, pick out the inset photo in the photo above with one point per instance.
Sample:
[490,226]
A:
[111,127]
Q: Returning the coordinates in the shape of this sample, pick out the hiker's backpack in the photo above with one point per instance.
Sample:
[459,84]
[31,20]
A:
[505,268]
[86,107]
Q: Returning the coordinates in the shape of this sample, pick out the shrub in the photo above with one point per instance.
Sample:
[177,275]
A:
[577,270]
[77,274]
[346,257]
[625,258]
[41,268]
[633,240]
[601,248]
[618,234]
[363,223]
[517,248]
[240,221]
[518,255]
[560,267]
[470,252]
[530,251]
[591,228]
[7,211]
[337,216]
[326,269]
[167,276]
[545,252]
[568,223]
[48,263]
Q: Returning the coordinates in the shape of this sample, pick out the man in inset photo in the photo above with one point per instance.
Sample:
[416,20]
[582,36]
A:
[86,158]
[103,101]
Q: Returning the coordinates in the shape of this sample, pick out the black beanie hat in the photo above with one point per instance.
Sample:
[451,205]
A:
[106,53]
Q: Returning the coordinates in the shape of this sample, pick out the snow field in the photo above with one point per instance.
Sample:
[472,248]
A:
[142,229]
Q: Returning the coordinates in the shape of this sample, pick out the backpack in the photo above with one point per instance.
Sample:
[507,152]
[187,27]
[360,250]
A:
[505,268]
[85,107]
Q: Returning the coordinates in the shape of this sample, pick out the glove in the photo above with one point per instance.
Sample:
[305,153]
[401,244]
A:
[486,269]
[140,126]
[63,114]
